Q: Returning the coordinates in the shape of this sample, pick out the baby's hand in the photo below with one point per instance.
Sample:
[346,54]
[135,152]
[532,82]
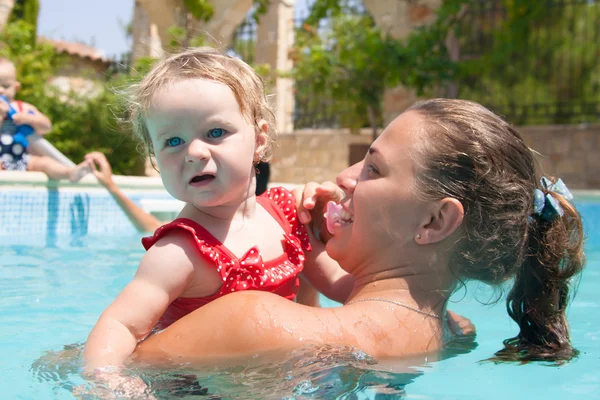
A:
[113,385]
[22,118]
[311,203]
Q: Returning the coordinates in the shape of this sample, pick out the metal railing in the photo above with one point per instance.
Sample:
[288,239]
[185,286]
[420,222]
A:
[546,71]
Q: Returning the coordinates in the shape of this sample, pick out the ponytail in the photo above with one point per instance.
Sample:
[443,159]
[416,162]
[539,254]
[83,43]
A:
[539,297]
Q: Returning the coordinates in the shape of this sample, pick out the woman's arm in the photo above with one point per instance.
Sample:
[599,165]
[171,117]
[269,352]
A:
[142,220]
[237,326]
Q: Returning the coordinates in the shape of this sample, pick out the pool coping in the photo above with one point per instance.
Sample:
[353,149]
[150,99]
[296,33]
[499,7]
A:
[152,183]
[39,179]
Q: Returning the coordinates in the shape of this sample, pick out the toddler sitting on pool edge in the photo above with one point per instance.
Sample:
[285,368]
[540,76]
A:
[13,155]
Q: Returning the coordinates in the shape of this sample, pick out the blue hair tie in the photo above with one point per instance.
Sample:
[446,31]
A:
[545,206]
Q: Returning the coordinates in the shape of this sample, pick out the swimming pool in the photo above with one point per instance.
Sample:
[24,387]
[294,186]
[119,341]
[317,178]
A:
[52,292]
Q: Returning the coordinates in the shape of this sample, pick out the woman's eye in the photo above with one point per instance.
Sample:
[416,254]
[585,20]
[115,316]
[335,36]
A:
[216,133]
[174,141]
[372,170]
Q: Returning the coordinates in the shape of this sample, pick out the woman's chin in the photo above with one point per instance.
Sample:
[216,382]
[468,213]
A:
[337,245]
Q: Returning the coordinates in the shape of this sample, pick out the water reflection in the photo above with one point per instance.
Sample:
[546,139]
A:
[311,372]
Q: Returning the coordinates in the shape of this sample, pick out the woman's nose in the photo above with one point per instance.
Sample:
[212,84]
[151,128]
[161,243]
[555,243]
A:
[347,178]
[197,151]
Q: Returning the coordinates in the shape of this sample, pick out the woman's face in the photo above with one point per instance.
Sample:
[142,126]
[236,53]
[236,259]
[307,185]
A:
[384,213]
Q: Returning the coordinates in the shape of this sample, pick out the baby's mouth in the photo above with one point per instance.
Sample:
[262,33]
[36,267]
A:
[336,216]
[201,179]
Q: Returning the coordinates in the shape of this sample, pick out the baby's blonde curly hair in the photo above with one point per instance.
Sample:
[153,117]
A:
[203,63]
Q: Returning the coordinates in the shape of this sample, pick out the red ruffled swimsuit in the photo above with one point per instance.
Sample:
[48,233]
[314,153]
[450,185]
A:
[250,272]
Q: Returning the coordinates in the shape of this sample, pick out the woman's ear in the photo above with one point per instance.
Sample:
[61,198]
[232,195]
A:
[262,140]
[444,220]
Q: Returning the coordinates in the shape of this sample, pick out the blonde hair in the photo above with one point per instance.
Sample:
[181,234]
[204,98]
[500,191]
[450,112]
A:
[203,63]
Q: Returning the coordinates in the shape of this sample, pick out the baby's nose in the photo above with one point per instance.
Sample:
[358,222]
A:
[197,150]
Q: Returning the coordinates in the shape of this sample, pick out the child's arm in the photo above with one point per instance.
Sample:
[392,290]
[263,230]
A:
[320,270]
[164,273]
[33,117]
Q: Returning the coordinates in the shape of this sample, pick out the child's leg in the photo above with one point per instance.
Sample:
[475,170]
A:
[56,170]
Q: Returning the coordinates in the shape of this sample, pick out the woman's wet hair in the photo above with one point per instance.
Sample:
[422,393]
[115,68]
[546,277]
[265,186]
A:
[473,155]
[202,63]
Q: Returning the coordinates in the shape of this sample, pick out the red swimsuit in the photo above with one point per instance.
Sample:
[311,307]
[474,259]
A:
[250,272]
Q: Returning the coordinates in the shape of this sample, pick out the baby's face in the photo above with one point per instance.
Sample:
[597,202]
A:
[8,81]
[203,144]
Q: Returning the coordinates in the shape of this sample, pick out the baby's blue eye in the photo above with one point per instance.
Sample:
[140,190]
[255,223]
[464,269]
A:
[216,133]
[174,141]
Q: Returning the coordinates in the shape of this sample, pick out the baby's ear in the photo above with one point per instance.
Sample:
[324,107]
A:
[262,140]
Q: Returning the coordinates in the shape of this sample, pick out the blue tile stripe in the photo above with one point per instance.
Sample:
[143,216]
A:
[40,213]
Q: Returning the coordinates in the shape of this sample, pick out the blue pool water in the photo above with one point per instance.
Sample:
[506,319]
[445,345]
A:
[52,294]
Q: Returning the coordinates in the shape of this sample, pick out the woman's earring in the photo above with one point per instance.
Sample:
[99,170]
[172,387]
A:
[418,236]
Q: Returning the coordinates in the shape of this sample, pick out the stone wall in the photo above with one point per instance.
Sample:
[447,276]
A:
[84,76]
[313,155]
[570,152]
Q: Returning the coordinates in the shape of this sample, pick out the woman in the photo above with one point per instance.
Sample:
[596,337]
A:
[447,193]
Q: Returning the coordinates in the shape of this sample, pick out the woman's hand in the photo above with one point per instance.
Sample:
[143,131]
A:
[101,168]
[459,325]
[311,203]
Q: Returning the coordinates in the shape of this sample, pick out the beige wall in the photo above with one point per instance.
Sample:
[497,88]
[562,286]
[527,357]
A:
[82,75]
[312,155]
[569,152]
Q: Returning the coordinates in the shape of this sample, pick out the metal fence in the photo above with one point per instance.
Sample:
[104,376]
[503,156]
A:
[546,71]
[307,112]
[244,38]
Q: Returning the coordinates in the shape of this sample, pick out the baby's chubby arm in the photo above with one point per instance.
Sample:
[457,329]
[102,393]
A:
[33,117]
[324,273]
[164,273]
